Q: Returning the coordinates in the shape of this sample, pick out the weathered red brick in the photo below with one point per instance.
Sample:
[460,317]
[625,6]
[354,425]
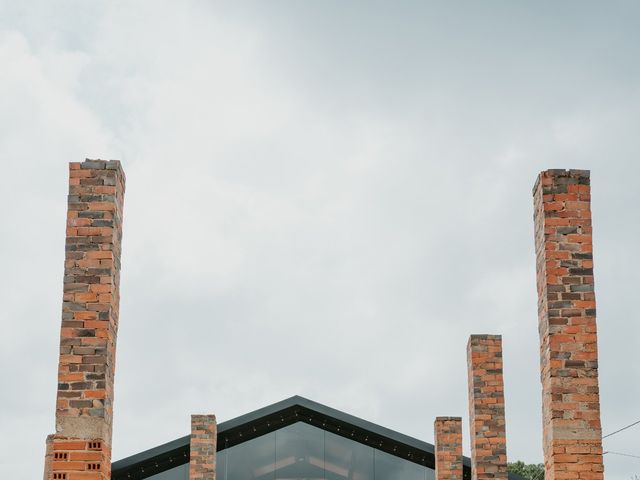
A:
[569,372]
[202,461]
[486,408]
[81,446]
[448,448]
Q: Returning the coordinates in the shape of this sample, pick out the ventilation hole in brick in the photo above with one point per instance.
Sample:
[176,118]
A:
[59,476]
[95,445]
[60,455]
[93,466]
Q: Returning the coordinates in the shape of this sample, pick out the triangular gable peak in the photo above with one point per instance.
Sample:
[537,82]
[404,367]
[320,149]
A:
[276,417]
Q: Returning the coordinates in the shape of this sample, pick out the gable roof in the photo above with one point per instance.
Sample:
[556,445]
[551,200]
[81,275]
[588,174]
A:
[274,417]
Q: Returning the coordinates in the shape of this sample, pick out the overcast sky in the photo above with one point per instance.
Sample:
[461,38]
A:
[323,198]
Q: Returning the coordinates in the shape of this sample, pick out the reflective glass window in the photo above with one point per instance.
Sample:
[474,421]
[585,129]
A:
[390,467]
[301,451]
[346,459]
[177,473]
[254,459]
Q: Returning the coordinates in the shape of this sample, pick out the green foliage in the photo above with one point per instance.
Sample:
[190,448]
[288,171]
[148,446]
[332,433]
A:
[533,471]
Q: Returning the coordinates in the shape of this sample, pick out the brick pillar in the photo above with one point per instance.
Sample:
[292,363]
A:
[48,458]
[448,443]
[81,446]
[202,460]
[486,408]
[567,324]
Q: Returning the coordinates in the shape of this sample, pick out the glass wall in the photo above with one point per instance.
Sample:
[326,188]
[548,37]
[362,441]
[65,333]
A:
[177,473]
[301,451]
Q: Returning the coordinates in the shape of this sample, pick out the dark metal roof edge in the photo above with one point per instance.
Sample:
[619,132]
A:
[364,424]
[296,400]
[260,413]
[184,441]
[145,455]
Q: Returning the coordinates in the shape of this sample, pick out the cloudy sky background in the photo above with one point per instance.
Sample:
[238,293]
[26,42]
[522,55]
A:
[323,198]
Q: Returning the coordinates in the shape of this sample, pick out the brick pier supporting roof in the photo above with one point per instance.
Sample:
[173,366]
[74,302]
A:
[81,445]
[448,448]
[202,459]
[567,324]
[486,408]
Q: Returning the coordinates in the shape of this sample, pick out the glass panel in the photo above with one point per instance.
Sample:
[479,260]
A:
[177,473]
[346,459]
[303,452]
[390,467]
[300,452]
[431,474]
[221,464]
[251,460]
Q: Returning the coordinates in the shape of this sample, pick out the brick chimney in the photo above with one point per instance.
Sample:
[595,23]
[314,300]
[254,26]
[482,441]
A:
[448,448]
[81,446]
[486,408]
[202,446]
[572,437]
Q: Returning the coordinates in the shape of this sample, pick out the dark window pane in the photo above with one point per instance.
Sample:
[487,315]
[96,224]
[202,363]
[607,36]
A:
[303,452]
[252,460]
[346,459]
[390,467]
[177,473]
[299,452]
[221,464]
[431,474]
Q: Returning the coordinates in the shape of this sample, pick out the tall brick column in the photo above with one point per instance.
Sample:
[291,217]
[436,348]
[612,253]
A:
[486,408]
[448,444]
[81,446]
[567,324]
[202,460]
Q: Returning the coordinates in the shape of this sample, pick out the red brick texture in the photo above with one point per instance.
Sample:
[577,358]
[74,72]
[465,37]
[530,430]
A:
[202,460]
[448,445]
[486,408]
[572,435]
[81,447]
